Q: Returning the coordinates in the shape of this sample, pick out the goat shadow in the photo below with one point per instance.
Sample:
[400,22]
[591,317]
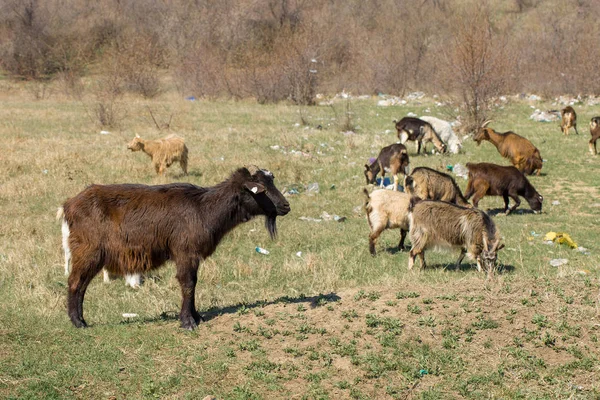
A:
[211,313]
[395,250]
[492,212]
[463,267]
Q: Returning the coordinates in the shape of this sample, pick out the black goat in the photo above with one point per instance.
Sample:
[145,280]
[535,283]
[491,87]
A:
[131,229]
[419,131]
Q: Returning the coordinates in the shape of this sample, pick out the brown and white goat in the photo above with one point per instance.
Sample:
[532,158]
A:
[437,224]
[595,132]
[163,152]
[392,159]
[427,183]
[520,151]
[131,229]
[419,131]
[568,120]
[506,181]
[386,210]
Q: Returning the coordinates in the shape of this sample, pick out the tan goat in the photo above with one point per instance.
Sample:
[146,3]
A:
[163,152]
[520,151]
[427,183]
[568,121]
[386,209]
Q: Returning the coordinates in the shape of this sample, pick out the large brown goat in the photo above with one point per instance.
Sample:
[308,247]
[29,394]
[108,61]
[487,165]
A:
[506,181]
[419,131]
[427,183]
[392,159]
[386,209]
[520,151]
[163,152]
[437,224]
[595,132]
[130,229]
[568,120]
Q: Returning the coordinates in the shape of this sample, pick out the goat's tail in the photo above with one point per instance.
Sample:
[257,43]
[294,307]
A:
[60,213]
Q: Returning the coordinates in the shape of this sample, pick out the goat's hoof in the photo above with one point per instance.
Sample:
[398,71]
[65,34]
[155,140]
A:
[79,322]
[189,324]
[198,318]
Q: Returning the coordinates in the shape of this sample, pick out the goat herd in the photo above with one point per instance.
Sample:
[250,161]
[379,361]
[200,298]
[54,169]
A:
[130,229]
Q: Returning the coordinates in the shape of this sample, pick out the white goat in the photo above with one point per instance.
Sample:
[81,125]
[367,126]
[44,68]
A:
[444,130]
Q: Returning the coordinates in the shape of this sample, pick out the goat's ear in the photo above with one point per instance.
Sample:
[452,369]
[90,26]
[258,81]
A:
[254,187]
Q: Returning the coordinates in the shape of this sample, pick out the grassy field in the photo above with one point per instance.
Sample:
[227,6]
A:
[329,322]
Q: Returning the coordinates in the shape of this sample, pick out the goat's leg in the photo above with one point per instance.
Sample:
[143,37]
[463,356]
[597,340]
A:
[84,269]
[418,146]
[373,239]
[187,275]
[516,199]
[593,150]
[422,258]
[396,182]
[183,164]
[505,197]
[460,258]
[575,126]
[402,238]
[480,193]
[470,191]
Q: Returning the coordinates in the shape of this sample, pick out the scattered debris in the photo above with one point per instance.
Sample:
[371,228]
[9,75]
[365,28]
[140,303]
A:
[555,202]
[190,98]
[544,116]
[129,315]
[557,262]
[583,250]
[262,251]
[309,219]
[411,114]
[328,217]
[583,271]
[357,210]
[460,170]
[299,254]
[560,238]
[313,188]
[104,132]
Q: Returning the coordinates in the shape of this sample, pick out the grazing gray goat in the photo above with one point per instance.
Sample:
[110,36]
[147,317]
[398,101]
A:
[437,224]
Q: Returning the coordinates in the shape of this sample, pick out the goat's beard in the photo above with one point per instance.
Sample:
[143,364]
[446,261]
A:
[271,225]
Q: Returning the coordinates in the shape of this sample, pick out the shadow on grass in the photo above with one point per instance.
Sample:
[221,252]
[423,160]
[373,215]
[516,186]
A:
[396,250]
[313,301]
[465,267]
[519,211]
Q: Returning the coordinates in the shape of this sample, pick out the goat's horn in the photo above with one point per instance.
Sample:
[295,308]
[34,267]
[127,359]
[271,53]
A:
[485,123]
[253,169]
[137,135]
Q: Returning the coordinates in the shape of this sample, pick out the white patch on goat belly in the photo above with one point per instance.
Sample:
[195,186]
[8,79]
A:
[403,137]
[65,243]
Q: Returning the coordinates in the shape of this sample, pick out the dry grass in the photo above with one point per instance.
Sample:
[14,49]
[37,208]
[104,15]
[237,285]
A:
[257,347]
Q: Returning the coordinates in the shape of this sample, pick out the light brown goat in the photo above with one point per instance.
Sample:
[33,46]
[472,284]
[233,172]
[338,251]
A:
[437,224]
[427,183]
[386,209]
[163,152]
[520,151]
[568,121]
[595,132]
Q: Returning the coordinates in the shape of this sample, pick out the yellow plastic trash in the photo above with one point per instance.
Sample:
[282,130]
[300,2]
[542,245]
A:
[560,238]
